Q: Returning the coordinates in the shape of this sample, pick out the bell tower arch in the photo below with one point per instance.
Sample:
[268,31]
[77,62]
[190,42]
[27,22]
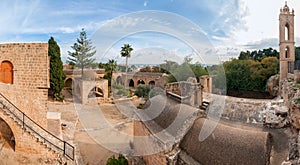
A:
[286,41]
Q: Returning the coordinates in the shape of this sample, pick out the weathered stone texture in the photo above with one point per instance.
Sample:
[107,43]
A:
[30,78]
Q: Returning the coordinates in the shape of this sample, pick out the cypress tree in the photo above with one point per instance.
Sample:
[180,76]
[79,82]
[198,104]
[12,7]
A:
[57,76]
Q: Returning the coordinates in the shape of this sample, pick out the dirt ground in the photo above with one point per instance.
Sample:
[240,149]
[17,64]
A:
[88,150]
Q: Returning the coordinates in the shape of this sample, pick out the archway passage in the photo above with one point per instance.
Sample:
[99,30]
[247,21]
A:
[69,83]
[140,82]
[6,72]
[96,92]
[7,138]
[287,32]
[119,80]
[152,84]
[287,52]
[131,83]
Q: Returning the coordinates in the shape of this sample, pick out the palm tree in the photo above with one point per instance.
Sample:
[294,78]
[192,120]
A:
[110,67]
[126,52]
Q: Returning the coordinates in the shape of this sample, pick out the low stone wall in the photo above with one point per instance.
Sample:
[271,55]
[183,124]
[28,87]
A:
[248,110]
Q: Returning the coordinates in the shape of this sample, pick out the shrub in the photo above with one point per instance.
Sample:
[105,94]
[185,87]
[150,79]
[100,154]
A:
[114,161]
[142,90]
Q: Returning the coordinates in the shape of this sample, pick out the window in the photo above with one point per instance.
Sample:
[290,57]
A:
[6,72]
[286,32]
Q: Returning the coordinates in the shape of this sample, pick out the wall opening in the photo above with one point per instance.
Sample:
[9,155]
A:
[131,83]
[140,82]
[152,84]
[119,80]
[287,32]
[6,72]
[69,83]
[95,92]
[7,138]
[287,52]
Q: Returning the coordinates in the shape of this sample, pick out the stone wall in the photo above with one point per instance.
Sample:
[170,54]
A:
[248,110]
[29,90]
[141,130]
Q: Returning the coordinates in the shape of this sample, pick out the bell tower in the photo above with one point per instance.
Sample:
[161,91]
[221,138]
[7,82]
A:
[286,41]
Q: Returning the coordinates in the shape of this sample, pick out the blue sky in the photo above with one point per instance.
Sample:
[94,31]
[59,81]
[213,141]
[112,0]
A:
[170,29]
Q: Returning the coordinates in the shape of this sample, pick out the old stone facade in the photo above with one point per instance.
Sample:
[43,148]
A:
[287,41]
[146,78]
[28,89]
[24,83]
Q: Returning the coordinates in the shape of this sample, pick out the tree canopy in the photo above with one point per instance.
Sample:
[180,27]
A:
[83,52]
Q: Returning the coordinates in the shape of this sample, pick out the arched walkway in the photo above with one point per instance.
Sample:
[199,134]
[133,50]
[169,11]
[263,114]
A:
[96,92]
[69,83]
[119,80]
[140,82]
[7,138]
[131,83]
[152,84]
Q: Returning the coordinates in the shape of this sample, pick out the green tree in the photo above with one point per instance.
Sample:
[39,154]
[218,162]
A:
[57,76]
[110,67]
[126,52]
[83,52]
[142,90]
[120,161]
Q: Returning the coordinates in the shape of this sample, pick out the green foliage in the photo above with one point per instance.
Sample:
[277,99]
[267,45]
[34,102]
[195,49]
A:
[116,86]
[123,92]
[109,67]
[250,74]
[120,161]
[184,71]
[83,52]
[57,76]
[126,52]
[258,55]
[142,90]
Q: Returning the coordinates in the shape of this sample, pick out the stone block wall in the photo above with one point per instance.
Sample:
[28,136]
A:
[29,90]
[141,130]
[248,110]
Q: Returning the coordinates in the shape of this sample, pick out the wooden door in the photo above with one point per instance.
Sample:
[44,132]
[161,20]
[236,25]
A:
[6,72]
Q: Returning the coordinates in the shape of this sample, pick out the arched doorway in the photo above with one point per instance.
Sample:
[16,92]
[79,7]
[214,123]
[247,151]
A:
[6,72]
[69,83]
[7,138]
[152,84]
[131,83]
[95,92]
[119,80]
[140,82]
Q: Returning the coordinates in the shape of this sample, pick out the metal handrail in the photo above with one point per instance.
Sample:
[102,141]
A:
[47,137]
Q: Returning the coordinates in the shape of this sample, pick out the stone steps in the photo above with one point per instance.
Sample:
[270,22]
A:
[45,139]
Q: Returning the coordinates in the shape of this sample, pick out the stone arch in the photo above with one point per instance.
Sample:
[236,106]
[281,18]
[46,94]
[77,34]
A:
[130,83]
[119,80]
[95,92]
[287,32]
[140,82]
[6,72]
[7,138]
[151,84]
[69,82]
[287,52]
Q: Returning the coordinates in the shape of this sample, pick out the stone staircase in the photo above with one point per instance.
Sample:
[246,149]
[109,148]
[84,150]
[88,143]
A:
[42,136]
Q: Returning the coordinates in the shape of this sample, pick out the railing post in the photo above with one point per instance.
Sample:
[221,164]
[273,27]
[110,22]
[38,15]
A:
[64,148]
[23,123]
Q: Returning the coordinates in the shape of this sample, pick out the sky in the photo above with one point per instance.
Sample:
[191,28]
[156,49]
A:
[209,31]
